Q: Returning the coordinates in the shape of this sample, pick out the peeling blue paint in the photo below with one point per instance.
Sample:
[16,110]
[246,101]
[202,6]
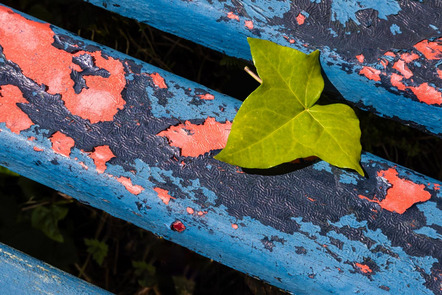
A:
[345,10]
[395,29]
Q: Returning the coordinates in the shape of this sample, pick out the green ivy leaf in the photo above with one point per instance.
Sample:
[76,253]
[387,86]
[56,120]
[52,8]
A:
[46,219]
[98,250]
[279,122]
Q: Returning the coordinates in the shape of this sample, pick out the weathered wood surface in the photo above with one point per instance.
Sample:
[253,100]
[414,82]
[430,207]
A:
[22,274]
[138,142]
[384,56]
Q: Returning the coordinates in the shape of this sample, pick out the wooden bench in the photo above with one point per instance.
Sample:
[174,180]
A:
[138,142]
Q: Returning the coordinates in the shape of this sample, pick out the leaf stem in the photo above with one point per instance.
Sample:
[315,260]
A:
[255,76]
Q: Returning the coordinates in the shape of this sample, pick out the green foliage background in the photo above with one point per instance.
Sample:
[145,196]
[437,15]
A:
[114,254]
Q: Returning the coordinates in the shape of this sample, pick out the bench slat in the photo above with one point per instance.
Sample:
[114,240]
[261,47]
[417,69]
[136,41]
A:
[22,274]
[138,142]
[377,54]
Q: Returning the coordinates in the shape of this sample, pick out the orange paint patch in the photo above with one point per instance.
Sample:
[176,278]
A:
[409,57]
[249,24]
[127,182]
[364,268]
[402,194]
[396,81]
[371,73]
[29,45]
[195,140]
[163,195]
[384,63]
[403,69]
[231,15]
[439,72]
[158,80]
[360,58]
[101,155]
[37,149]
[207,96]
[10,114]
[300,19]
[431,50]
[61,143]
[427,94]
[234,226]
[190,210]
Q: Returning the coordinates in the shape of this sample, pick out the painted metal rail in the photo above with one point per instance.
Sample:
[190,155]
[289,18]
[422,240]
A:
[383,56]
[22,274]
[138,142]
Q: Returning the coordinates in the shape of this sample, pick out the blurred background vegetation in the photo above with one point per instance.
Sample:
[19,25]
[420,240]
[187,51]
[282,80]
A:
[114,254]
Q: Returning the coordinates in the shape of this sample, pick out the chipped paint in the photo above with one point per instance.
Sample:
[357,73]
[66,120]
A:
[300,19]
[207,96]
[234,226]
[61,143]
[163,194]
[231,15]
[371,73]
[426,93]
[127,182]
[190,210]
[195,140]
[178,226]
[158,80]
[360,58]
[16,120]
[101,155]
[401,195]
[364,268]
[403,69]
[431,50]
[249,24]
[29,44]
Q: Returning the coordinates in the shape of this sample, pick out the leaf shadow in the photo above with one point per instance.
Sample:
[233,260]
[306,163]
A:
[284,168]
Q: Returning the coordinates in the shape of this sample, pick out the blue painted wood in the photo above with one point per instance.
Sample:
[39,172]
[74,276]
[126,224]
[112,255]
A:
[22,274]
[383,56]
[138,142]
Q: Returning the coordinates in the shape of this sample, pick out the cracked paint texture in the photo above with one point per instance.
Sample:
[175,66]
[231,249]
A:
[150,159]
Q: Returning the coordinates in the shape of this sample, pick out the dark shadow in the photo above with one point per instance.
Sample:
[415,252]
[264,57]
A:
[285,168]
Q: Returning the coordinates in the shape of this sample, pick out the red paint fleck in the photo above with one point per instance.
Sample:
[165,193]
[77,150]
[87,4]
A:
[311,199]
[396,81]
[364,268]
[158,80]
[37,149]
[127,182]
[436,186]
[360,58]
[195,140]
[402,194]
[300,19]
[249,24]
[10,114]
[61,143]
[390,53]
[431,50]
[190,210]
[201,213]
[207,96]
[29,44]
[439,72]
[234,226]
[178,226]
[231,15]
[403,69]
[427,94]
[101,155]
[163,195]
[409,57]
[371,73]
